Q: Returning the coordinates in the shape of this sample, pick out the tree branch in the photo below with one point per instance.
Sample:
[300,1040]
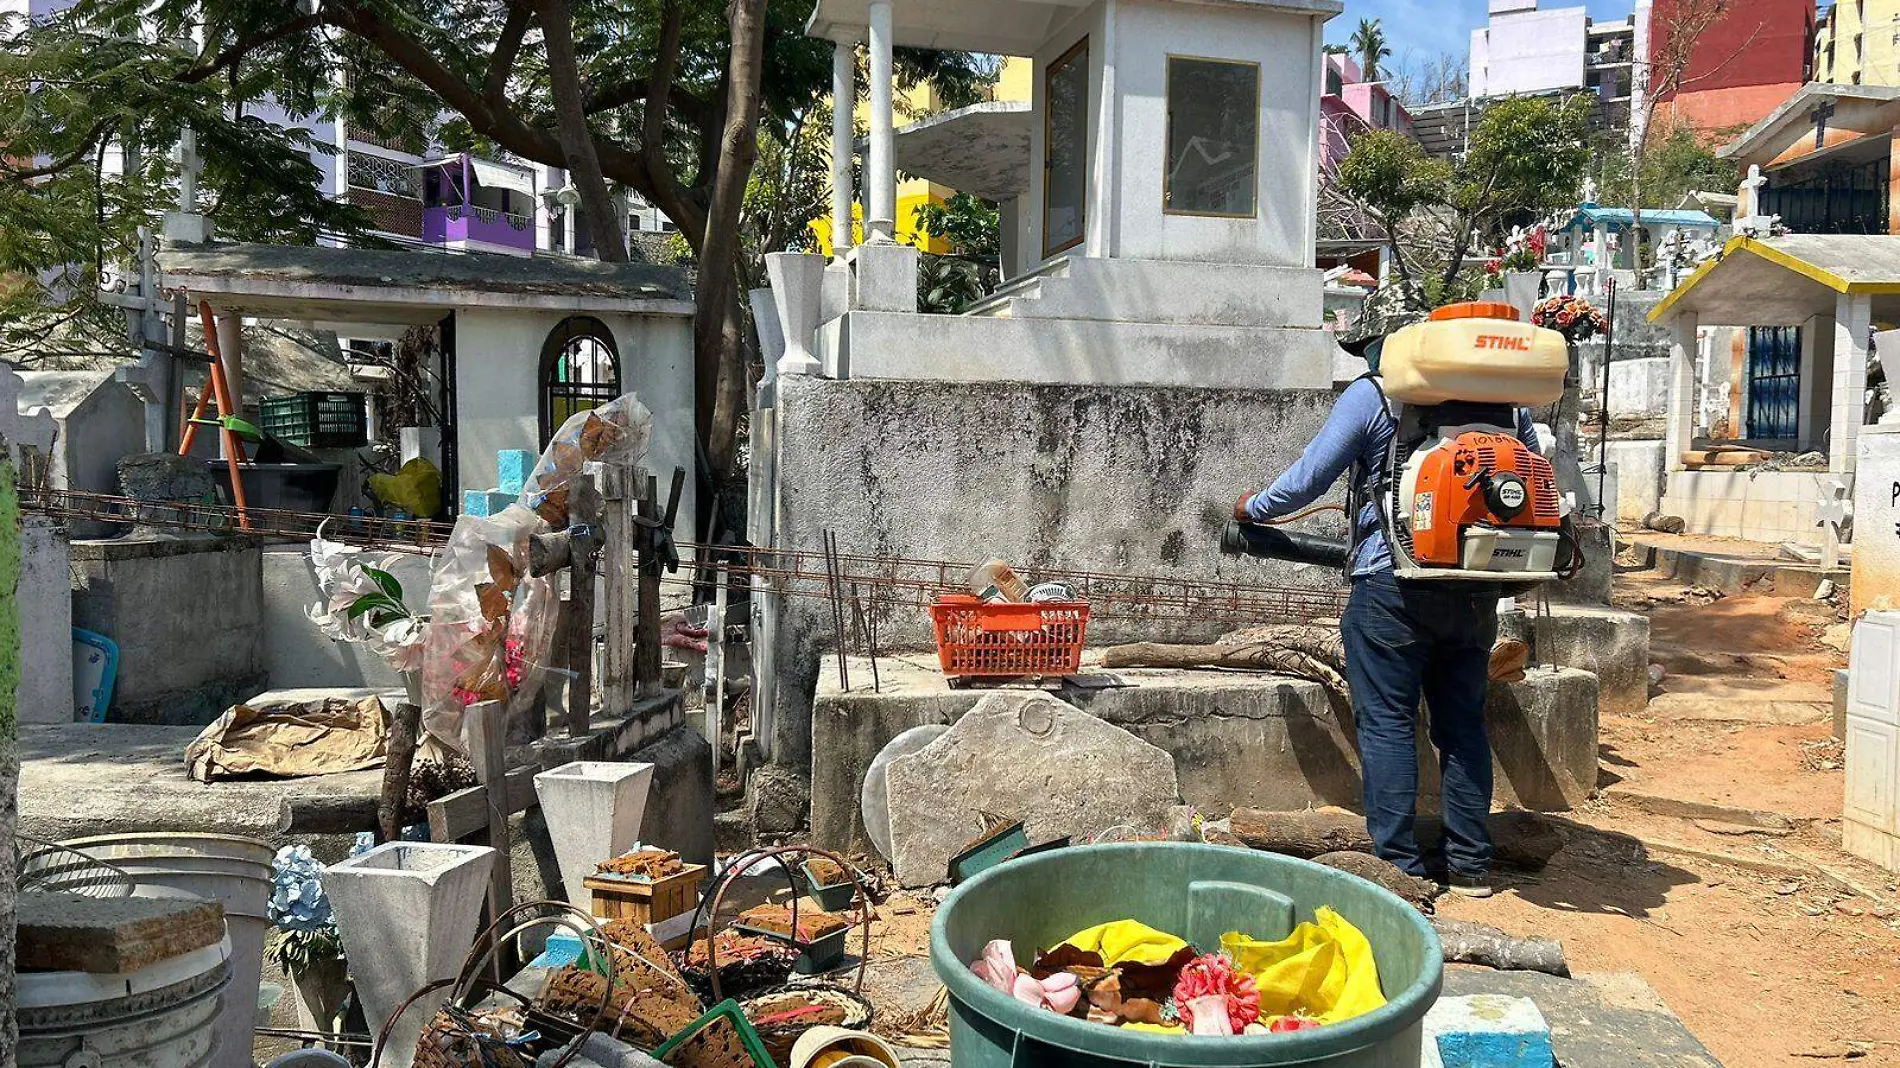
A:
[578,151]
[507,49]
[87,146]
[209,66]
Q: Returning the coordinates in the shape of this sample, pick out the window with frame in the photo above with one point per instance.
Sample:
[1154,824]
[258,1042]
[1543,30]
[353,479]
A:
[580,370]
[1213,150]
[1065,206]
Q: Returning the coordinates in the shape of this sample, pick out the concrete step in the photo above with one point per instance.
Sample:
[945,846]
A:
[1728,699]
[1732,573]
[998,304]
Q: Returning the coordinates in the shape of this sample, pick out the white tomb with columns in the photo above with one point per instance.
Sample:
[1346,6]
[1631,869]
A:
[1156,349]
[1165,227]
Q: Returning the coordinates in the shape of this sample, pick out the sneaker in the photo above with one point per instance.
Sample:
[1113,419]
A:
[1469,885]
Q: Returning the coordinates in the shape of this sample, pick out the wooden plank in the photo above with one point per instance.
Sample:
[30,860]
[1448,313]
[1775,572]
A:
[618,579]
[490,757]
[464,812]
[646,655]
[584,505]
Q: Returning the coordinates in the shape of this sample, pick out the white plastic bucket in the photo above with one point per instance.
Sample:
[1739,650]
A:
[162,1016]
[229,869]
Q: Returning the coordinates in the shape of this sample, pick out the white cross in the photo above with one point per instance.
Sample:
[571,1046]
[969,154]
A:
[1830,514]
[1751,186]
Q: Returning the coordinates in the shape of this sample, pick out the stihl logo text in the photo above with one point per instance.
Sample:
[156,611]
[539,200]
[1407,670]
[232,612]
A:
[1496,341]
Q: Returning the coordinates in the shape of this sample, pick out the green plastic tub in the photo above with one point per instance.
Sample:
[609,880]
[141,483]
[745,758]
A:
[1198,892]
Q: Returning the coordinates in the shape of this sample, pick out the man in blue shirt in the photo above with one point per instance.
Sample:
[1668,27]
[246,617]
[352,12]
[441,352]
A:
[1403,640]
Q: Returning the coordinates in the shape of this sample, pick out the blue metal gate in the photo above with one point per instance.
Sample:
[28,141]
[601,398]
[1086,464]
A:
[1774,382]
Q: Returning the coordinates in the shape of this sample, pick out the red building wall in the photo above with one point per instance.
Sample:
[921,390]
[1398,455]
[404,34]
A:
[1759,42]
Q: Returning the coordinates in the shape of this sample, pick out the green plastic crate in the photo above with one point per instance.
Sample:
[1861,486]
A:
[317,419]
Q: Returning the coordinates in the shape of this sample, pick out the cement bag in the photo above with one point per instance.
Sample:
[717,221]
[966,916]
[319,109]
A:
[617,432]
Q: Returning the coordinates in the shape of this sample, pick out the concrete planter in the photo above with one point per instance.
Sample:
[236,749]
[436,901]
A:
[593,812]
[407,913]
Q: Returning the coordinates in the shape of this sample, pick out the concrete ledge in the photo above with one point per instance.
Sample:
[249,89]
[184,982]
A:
[1074,351]
[1169,291]
[1734,573]
[1612,644]
[1237,739]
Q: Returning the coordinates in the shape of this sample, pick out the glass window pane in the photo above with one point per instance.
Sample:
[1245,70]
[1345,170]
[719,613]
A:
[1065,198]
[1213,137]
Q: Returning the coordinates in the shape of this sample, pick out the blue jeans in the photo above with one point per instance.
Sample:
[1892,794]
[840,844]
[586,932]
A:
[1404,640]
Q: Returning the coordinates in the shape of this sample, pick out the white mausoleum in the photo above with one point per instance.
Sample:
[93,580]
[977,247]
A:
[1157,345]
[1159,229]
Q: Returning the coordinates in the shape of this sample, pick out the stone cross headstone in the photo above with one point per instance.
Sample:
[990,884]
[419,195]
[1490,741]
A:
[1830,514]
[1749,219]
[21,431]
[1751,190]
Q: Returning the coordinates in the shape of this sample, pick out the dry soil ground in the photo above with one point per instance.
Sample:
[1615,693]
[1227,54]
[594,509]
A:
[1773,945]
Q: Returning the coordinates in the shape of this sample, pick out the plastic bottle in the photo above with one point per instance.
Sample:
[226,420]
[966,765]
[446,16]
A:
[995,580]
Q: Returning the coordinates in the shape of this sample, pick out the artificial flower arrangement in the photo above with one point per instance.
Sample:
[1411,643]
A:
[1126,974]
[364,604]
[1573,317]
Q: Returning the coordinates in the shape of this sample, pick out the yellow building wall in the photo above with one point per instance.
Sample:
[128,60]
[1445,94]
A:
[1014,82]
[1863,52]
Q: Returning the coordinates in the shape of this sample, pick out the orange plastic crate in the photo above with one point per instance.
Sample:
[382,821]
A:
[1004,640]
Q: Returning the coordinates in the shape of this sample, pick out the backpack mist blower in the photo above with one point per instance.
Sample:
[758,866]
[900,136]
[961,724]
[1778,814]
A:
[1458,496]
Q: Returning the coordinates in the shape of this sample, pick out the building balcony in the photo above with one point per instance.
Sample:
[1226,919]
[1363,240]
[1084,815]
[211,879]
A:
[470,226]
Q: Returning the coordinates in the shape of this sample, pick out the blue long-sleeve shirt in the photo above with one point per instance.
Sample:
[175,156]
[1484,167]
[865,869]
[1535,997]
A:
[1357,435]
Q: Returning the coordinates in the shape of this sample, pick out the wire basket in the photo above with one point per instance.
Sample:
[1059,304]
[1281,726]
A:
[51,868]
[977,639]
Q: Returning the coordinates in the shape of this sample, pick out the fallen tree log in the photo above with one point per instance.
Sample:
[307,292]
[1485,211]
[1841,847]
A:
[1414,891]
[1519,839]
[1478,943]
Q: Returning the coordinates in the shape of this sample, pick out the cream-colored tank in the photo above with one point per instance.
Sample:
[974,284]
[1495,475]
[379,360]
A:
[1474,352]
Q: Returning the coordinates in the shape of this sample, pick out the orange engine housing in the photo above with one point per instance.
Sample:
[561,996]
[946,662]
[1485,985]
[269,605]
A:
[1444,502]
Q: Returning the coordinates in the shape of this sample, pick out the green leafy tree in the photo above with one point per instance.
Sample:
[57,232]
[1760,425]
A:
[665,97]
[1526,156]
[1368,42]
[972,227]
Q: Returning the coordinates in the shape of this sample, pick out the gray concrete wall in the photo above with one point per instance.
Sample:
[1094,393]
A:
[187,614]
[45,602]
[295,653]
[1102,478]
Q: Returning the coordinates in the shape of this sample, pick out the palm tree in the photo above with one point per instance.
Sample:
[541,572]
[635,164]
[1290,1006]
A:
[1369,41]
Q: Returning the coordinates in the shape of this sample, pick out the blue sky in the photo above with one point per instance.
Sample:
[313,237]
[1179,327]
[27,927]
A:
[1425,28]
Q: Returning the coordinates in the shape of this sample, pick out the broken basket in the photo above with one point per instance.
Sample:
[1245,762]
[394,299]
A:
[1006,639]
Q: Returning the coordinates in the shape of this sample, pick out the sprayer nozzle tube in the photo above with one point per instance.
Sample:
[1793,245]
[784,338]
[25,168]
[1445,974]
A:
[1272,543]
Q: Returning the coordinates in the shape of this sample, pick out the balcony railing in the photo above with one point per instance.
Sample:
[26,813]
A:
[468,222]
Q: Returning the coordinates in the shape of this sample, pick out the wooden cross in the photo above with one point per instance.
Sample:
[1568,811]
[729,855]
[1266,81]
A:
[1821,113]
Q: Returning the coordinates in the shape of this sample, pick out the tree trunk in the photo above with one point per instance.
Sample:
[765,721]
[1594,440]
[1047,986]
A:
[1519,839]
[719,327]
[577,141]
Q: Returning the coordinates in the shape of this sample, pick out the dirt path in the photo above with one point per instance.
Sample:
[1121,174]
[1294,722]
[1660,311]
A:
[1786,954]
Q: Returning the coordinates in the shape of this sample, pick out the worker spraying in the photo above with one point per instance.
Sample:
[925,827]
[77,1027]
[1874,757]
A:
[1451,507]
